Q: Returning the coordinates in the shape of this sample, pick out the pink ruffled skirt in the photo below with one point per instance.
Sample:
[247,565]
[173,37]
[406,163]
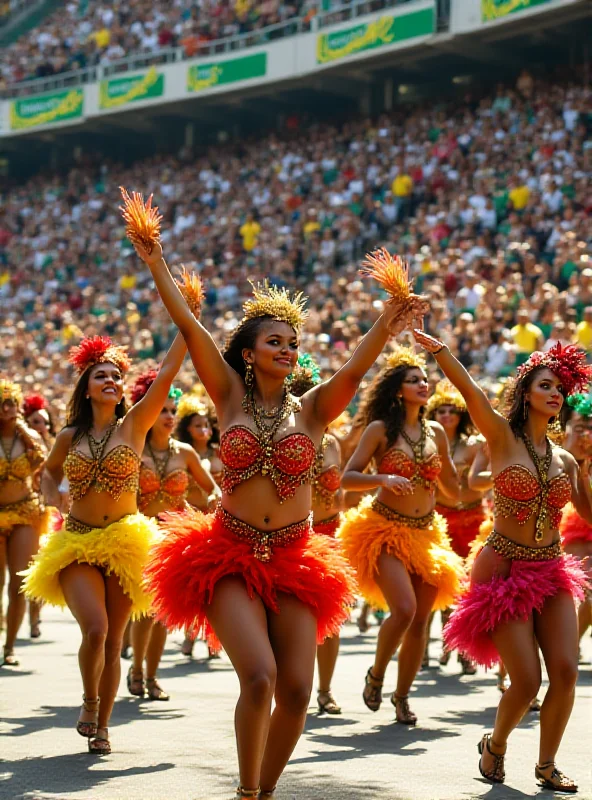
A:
[486,606]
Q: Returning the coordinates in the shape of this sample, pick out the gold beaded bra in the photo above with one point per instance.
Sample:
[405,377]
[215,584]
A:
[115,472]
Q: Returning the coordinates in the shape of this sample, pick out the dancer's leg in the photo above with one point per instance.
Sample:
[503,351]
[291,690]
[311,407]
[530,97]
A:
[397,588]
[119,607]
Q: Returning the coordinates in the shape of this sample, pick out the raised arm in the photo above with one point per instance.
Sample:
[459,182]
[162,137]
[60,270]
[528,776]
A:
[215,374]
[333,396]
[356,480]
[197,471]
[144,414]
[448,479]
[491,424]
[579,473]
[480,476]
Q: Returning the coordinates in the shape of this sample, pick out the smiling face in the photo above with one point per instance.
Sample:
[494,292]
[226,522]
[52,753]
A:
[165,424]
[39,421]
[275,351]
[199,429]
[545,394]
[105,384]
[8,411]
[448,416]
[414,389]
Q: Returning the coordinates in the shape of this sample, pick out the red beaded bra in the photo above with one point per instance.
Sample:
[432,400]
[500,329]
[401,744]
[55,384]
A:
[289,461]
[424,473]
[172,490]
[517,492]
[326,483]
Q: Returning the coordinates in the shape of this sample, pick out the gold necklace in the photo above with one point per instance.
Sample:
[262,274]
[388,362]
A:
[97,446]
[161,463]
[417,445]
[288,405]
[542,464]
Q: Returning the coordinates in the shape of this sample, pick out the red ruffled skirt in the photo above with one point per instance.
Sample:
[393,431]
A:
[573,528]
[486,606]
[463,525]
[198,550]
[328,527]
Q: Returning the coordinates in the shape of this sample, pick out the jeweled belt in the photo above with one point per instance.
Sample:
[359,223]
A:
[394,516]
[508,548]
[263,542]
[74,525]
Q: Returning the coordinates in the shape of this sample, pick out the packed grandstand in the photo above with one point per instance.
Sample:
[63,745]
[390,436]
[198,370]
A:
[486,193]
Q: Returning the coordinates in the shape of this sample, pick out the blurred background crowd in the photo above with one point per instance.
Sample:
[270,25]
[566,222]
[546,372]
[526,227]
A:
[488,198]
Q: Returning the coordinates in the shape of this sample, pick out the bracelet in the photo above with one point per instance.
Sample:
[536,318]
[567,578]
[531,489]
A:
[439,350]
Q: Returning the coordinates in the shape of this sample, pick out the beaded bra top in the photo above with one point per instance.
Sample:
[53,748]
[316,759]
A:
[289,461]
[21,467]
[419,470]
[114,472]
[172,490]
[517,492]
[326,483]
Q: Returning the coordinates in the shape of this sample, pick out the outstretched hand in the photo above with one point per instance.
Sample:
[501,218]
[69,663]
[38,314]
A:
[429,343]
[152,258]
[400,317]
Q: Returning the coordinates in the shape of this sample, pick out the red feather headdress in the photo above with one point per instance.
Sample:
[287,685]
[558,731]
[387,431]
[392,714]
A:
[568,363]
[142,383]
[98,350]
[32,403]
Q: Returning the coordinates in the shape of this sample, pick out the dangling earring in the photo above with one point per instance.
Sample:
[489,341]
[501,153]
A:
[248,374]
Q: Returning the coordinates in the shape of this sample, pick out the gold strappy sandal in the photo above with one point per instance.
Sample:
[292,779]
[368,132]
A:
[405,715]
[87,729]
[100,745]
[241,793]
[326,703]
[497,774]
[155,690]
[556,781]
[372,694]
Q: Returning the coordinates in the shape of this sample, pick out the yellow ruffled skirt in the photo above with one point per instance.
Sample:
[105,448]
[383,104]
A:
[119,549]
[24,512]
[424,551]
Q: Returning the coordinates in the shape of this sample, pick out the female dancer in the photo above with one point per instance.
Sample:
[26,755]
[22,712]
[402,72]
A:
[37,416]
[448,407]
[576,533]
[522,586]
[164,483]
[94,563]
[255,572]
[21,511]
[396,541]
[326,507]
[195,427]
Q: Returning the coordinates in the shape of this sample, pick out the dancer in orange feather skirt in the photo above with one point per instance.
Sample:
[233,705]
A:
[254,574]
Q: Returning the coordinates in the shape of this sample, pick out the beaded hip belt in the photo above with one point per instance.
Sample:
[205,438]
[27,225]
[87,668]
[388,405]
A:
[402,519]
[74,525]
[263,541]
[508,548]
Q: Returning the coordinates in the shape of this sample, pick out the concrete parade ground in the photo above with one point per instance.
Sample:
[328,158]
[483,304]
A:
[185,750]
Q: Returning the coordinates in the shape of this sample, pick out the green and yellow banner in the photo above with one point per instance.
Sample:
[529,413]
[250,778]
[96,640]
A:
[496,9]
[204,76]
[45,109]
[371,35]
[118,92]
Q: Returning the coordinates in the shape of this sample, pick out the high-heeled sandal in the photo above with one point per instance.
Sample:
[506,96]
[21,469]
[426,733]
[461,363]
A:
[155,690]
[10,660]
[241,793]
[502,683]
[326,703]
[87,729]
[135,683]
[556,781]
[404,714]
[497,774]
[535,705]
[35,631]
[267,795]
[444,658]
[467,666]
[372,694]
[100,745]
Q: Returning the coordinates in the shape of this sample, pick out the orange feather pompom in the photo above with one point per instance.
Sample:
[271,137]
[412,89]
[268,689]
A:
[191,288]
[142,220]
[391,272]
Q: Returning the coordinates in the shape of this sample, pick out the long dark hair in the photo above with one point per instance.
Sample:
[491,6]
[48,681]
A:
[79,412]
[516,409]
[466,427]
[182,430]
[380,401]
[243,338]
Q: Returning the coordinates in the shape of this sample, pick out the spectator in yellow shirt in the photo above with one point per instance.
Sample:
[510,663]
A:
[402,189]
[519,195]
[250,230]
[526,336]
[101,37]
[584,330]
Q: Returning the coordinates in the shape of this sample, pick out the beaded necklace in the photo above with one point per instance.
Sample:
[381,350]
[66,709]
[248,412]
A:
[417,448]
[266,433]
[542,464]
[8,455]
[97,446]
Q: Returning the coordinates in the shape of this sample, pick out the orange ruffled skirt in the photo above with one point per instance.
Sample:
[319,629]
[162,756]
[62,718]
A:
[425,551]
[573,528]
[463,525]
[197,550]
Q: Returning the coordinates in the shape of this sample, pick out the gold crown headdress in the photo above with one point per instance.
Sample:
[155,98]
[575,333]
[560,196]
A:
[190,404]
[446,394]
[10,391]
[271,301]
[405,356]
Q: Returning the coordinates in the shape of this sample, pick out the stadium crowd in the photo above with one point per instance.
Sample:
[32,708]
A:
[488,198]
